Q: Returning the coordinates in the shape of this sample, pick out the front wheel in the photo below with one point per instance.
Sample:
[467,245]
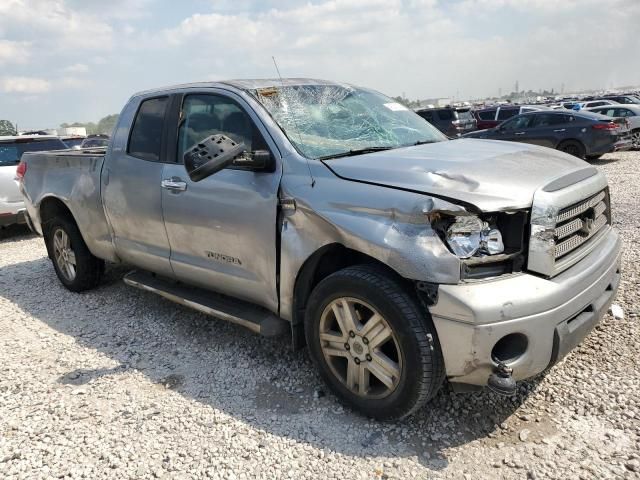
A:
[76,267]
[374,344]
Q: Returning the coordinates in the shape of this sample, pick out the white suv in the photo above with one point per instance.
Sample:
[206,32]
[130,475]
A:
[11,149]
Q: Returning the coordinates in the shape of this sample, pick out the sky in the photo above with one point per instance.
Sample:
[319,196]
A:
[79,60]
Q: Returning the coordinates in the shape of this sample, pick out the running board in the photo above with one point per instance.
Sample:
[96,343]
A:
[256,319]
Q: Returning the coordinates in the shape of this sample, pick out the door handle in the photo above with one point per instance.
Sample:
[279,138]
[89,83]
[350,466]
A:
[519,133]
[560,130]
[173,184]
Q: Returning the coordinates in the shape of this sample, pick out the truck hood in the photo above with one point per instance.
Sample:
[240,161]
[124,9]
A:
[491,175]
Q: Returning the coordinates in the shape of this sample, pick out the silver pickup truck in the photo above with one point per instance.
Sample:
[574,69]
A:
[331,212]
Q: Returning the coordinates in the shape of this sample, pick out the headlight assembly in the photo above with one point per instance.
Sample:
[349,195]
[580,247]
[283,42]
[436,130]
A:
[470,236]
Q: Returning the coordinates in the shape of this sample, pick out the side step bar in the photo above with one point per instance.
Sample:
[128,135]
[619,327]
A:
[256,319]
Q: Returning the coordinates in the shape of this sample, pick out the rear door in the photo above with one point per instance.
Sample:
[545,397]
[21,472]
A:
[131,189]
[223,229]
[548,129]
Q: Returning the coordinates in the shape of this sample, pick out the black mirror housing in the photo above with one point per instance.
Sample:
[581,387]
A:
[260,160]
[211,155]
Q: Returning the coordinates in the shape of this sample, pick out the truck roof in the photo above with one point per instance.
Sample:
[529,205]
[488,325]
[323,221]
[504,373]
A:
[244,84]
[13,138]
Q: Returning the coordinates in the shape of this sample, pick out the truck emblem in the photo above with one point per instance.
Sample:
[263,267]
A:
[219,257]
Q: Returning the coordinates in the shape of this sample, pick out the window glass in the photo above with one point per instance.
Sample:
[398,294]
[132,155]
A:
[464,114]
[518,123]
[426,115]
[487,115]
[505,113]
[548,119]
[445,114]
[323,121]
[10,152]
[206,115]
[622,112]
[146,134]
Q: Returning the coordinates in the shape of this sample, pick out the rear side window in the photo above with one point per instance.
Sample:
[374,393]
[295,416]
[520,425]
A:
[487,115]
[445,114]
[426,115]
[505,113]
[10,152]
[146,135]
[464,115]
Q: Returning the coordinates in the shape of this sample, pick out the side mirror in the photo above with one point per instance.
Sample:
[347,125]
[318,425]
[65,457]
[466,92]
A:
[211,155]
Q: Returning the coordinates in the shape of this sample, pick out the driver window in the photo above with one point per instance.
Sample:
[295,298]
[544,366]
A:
[206,115]
[517,123]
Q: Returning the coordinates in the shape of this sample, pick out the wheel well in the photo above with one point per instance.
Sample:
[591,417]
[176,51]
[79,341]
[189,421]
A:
[571,140]
[325,261]
[51,208]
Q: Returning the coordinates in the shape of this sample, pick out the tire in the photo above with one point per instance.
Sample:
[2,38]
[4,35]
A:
[412,351]
[65,246]
[572,147]
[635,138]
[594,157]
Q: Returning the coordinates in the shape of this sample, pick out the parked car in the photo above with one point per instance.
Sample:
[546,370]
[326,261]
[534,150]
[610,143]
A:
[338,216]
[491,117]
[452,121]
[95,141]
[582,134]
[73,141]
[625,99]
[11,149]
[629,112]
[597,103]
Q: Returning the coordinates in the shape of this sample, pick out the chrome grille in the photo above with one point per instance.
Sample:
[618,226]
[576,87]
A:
[576,224]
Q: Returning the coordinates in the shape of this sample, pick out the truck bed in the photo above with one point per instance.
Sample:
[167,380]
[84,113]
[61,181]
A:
[73,177]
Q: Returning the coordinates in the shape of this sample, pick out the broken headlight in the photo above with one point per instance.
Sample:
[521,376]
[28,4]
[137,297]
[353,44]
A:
[469,235]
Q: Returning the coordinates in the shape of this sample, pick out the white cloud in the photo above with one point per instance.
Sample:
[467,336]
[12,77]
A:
[14,52]
[24,85]
[76,68]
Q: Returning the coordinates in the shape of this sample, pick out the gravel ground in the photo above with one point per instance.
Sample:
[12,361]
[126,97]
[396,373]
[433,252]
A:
[119,383]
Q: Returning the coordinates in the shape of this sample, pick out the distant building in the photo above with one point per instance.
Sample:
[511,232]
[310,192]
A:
[68,131]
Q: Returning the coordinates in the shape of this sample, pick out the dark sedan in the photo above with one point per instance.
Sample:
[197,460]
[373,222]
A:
[583,134]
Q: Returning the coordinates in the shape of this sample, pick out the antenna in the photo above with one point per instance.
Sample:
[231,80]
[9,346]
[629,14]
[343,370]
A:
[295,122]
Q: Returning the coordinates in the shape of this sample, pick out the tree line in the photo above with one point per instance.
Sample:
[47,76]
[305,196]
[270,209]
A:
[105,125]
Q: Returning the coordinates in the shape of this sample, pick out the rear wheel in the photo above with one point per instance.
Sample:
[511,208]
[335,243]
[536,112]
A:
[374,344]
[635,138]
[76,267]
[572,147]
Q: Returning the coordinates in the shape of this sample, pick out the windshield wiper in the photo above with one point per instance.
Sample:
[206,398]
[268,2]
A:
[424,142]
[354,152]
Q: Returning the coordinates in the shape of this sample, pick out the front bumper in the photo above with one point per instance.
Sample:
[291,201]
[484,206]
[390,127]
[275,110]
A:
[554,314]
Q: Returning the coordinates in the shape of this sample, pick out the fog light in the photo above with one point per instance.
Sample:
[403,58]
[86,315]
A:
[509,348]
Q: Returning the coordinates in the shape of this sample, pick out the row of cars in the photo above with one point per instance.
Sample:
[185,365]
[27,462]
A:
[587,129]
[11,150]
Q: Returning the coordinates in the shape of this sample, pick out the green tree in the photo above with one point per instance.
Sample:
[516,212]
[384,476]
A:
[107,124]
[7,128]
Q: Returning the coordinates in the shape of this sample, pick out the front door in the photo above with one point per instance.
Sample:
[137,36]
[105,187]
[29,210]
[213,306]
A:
[222,230]
[131,187]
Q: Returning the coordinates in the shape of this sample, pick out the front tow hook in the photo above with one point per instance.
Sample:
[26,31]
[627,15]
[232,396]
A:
[501,381]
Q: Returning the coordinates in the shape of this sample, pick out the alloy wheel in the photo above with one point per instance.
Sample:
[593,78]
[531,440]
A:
[360,348]
[64,255]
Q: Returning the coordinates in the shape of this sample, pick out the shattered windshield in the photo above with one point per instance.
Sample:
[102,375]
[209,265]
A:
[325,121]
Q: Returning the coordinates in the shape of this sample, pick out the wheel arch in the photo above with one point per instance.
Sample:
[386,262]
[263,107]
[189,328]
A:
[325,261]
